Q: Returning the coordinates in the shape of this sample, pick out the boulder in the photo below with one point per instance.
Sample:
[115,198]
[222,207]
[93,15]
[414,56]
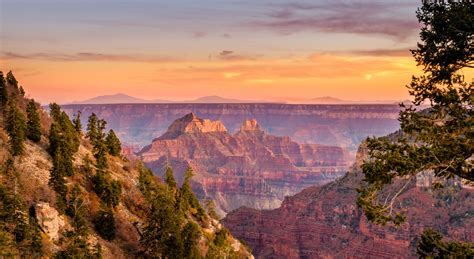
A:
[49,220]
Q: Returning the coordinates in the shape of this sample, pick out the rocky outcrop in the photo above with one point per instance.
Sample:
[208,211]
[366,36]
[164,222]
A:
[340,125]
[325,222]
[191,124]
[248,168]
[49,220]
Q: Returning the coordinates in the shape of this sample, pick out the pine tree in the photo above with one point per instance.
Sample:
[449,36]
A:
[108,190]
[22,91]
[439,139]
[169,179]
[95,133]
[16,127]
[77,123]
[113,143]
[11,80]
[57,181]
[105,224]
[92,131]
[161,235]
[3,91]
[187,198]
[55,112]
[190,240]
[33,125]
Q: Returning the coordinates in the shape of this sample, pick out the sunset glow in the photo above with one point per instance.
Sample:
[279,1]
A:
[270,50]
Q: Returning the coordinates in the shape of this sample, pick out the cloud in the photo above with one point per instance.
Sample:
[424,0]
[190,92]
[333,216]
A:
[368,18]
[226,36]
[400,52]
[86,56]
[230,55]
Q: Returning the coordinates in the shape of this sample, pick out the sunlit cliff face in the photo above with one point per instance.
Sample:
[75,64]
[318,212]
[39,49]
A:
[261,50]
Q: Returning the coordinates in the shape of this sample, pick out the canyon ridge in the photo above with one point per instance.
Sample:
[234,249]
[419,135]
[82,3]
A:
[247,168]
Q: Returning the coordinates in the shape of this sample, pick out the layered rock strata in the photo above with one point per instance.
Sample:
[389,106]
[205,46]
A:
[248,168]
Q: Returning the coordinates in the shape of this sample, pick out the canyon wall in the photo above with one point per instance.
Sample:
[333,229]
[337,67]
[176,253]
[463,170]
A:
[248,168]
[325,222]
[339,125]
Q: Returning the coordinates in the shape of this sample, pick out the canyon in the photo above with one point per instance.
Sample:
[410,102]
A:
[247,168]
[325,222]
[344,125]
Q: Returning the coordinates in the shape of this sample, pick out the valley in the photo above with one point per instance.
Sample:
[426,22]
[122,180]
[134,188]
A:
[344,125]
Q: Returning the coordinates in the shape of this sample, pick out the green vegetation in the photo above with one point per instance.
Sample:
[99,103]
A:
[3,91]
[77,123]
[95,133]
[33,125]
[439,139]
[104,224]
[107,189]
[16,127]
[175,218]
[11,80]
[19,233]
[432,245]
[113,143]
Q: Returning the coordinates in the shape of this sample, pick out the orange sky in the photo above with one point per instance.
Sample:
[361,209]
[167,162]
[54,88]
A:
[272,50]
[350,77]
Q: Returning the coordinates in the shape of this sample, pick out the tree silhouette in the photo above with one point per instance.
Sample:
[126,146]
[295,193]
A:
[33,125]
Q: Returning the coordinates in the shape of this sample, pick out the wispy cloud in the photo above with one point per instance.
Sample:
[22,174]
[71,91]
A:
[230,55]
[358,17]
[399,52]
[87,56]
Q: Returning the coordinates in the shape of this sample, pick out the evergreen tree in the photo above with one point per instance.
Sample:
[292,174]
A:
[19,234]
[3,91]
[92,131]
[187,199]
[108,190]
[169,179]
[432,245]
[105,224]
[161,235]
[57,181]
[33,125]
[190,240]
[55,112]
[77,123]
[11,80]
[69,133]
[113,143]
[95,133]
[440,139]
[22,91]
[16,126]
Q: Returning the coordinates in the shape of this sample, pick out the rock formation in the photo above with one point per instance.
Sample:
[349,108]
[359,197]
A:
[248,168]
[49,220]
[340,125]
[325,221]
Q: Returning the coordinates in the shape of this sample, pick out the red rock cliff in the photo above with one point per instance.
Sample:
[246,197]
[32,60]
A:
[249,168]
[325,222]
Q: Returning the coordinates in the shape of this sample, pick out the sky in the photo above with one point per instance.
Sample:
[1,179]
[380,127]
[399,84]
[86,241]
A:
[281,50]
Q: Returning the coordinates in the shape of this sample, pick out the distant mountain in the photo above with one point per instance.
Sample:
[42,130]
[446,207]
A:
[123,98]
[114,98]
[218,99]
